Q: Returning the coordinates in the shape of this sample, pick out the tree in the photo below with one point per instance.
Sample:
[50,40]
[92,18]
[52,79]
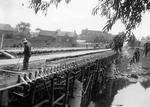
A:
[44,5]
[132,41]
[148,38]
[143,39]
[38,29]
[128,11]
[24,28]
[118,41]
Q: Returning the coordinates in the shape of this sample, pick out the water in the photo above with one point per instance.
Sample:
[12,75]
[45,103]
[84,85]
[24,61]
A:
[122,93]
[135,95]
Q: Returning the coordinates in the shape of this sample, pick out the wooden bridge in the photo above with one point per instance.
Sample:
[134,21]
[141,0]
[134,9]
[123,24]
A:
[52,84]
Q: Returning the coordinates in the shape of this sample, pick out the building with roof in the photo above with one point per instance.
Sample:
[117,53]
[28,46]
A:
[93,36]
[5,28]
[47,33]
[56,38]
[64,36]
[38,37]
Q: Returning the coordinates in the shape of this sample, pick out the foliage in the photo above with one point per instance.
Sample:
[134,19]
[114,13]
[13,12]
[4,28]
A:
[24,28]
[43,5]
[143,38]
[132,41]
[118,41]
[128,11]
[147,38]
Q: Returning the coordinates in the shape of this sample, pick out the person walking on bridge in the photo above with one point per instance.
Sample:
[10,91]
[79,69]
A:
[27,54]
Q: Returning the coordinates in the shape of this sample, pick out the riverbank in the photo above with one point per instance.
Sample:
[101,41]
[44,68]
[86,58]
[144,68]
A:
[134,72]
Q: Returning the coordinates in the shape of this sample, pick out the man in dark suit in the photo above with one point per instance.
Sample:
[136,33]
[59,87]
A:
[27,54]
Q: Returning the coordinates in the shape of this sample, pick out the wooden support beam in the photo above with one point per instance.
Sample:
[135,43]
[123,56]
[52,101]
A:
[66,90]
[41,103]
[47,91]
[73,82]
[52,92]
[60,98]
[4,100]
[32,93]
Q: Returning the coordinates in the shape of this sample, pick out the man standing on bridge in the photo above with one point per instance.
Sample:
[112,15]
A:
[27,54]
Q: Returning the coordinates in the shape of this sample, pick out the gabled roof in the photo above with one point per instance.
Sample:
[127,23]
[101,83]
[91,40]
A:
[47,33]
[6,28]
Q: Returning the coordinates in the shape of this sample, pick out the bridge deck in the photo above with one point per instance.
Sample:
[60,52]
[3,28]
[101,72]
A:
[50,56]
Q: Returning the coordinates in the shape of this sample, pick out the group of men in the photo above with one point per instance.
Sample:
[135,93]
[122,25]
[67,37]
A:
[136,56]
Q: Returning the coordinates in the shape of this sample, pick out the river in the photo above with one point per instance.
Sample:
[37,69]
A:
[122,93]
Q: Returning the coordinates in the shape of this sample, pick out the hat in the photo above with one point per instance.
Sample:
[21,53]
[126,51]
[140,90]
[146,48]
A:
[25,40]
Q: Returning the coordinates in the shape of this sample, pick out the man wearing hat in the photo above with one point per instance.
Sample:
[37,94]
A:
[27,54]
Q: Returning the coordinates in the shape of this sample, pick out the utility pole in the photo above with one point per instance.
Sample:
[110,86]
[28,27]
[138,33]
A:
[2,40]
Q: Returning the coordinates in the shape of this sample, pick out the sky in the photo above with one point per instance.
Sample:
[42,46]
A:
[68,17]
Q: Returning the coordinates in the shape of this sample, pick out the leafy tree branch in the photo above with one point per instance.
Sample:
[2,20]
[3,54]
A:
[128,11]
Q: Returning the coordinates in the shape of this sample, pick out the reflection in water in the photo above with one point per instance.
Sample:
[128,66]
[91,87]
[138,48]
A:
[121,93]
[132,96]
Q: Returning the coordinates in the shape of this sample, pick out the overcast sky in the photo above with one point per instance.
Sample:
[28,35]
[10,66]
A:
[69,17]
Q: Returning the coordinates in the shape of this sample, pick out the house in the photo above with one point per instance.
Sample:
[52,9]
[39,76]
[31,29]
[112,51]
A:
[65,37]
[47,35]
[44,38]
[93,36]
[6,31]
[5,28]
